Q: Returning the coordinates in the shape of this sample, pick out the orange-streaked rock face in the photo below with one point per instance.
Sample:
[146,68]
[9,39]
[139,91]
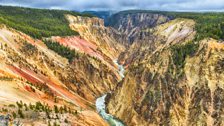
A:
[31,72]
[93,30]
[80,45]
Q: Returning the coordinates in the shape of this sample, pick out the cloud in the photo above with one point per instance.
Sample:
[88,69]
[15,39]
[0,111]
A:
[170,5]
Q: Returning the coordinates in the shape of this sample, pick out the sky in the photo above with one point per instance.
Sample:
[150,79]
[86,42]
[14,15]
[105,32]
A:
[118,5]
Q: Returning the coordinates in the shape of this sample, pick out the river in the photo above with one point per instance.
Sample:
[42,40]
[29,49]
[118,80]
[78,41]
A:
[101,107]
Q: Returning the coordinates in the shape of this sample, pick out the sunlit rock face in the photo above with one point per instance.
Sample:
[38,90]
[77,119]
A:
[159,90]
[94,31]
[31,72]
[131,24]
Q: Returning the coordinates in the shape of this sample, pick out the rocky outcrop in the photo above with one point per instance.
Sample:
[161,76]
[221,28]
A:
[131,24]
[153,39]
[171,80]
[93,30]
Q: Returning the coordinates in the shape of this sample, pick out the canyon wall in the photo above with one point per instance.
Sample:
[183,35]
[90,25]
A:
[162,88]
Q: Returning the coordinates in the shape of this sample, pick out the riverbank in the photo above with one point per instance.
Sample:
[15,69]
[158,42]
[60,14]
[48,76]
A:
[101,107]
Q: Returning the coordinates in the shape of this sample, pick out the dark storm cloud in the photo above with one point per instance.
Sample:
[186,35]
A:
[175,5]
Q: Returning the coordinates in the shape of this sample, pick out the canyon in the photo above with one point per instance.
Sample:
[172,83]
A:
[158,89]
[140,69]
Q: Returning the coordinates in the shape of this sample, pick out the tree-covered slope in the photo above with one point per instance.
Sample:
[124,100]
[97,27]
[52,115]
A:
[208,25]
[37,23]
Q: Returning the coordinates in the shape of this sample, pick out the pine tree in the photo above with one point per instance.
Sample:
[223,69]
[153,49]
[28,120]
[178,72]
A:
[14,115]
[65,109]
[20,113]
[49,124]
[56,109]
[66,121]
